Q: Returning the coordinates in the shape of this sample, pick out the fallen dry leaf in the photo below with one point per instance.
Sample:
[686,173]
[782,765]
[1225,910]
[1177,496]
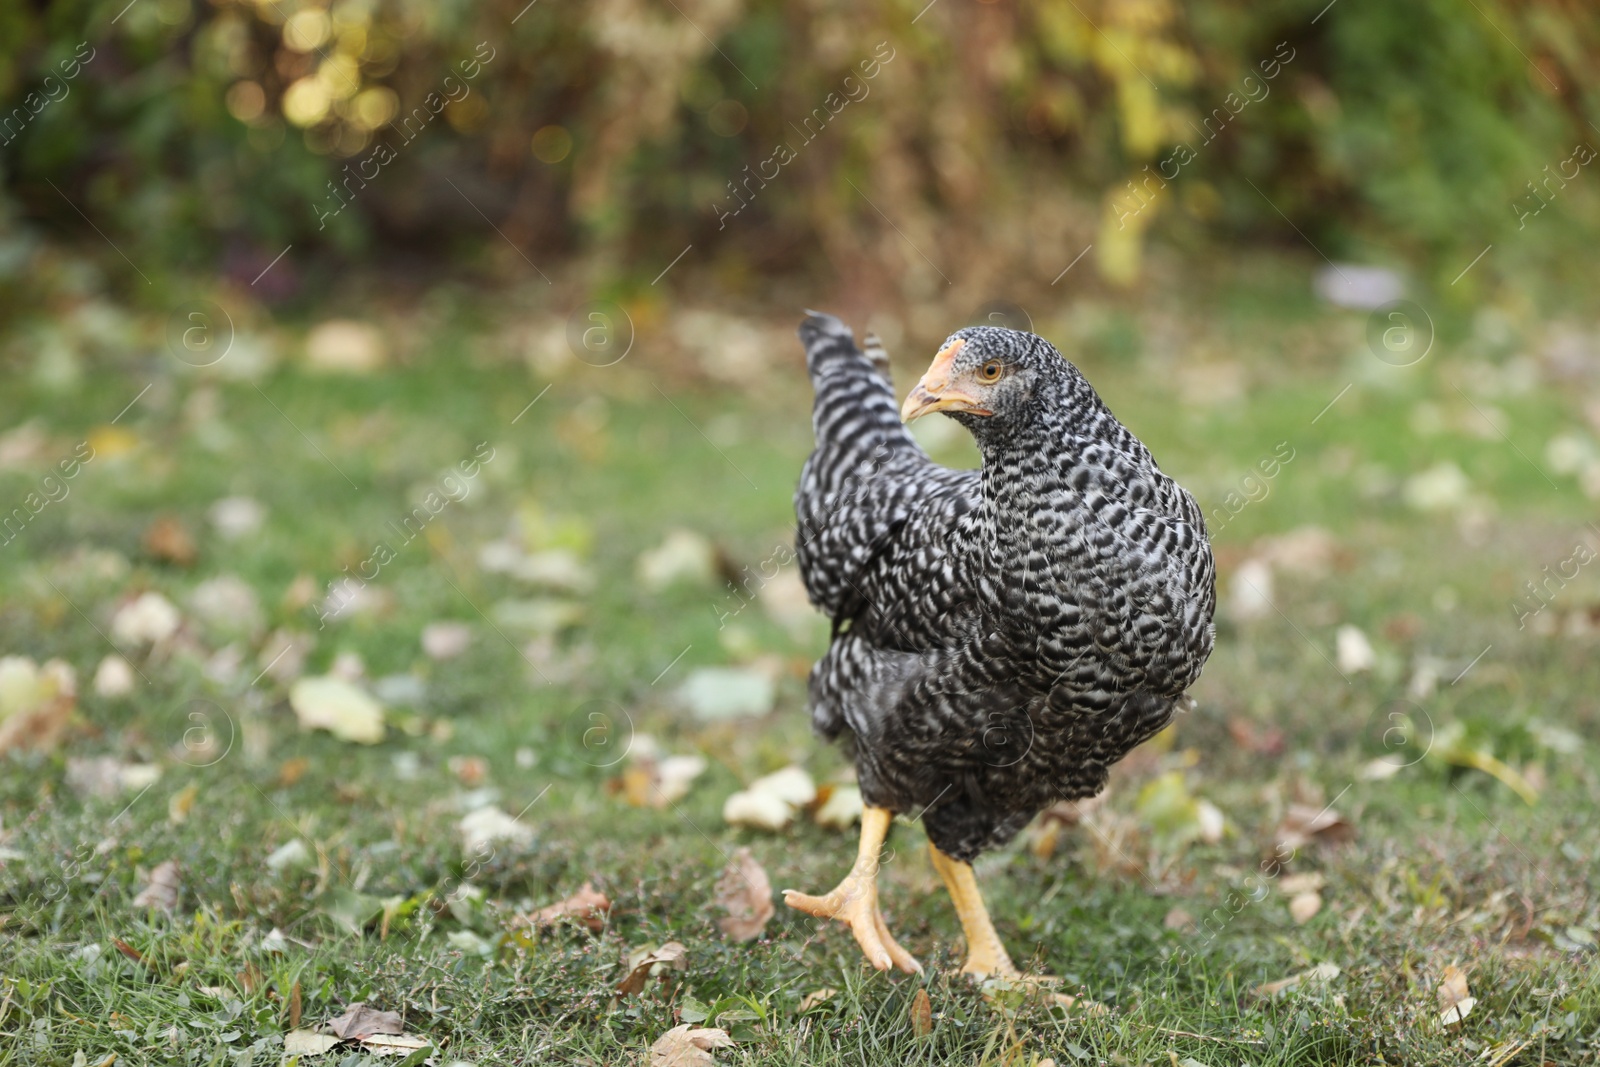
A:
[480,829]
[771,801]
[1304,823]
[360,1021]
[1322,972]
[1455,1000]
[684,556]
[587,906]
[1045,833]
[107,777]
[129,951]
[841,808]
[471,771]
[653,781]
[921,1014]
[688,1046]
[147,619]
[1265,741]
[333,704]
[446,640]
[236,516]
[35,703]
[746,894]
[1303,907]
[1308,550]
[1381,768]
[1178,919]
[292,770]
[345,346]
[1292,885]
[758,811]
[113,678]
[307,1043]
[167,539]
[643,964]
[181,803]
[283,654]
[1353,650]
[162,891]
[815,997]
[394,1044]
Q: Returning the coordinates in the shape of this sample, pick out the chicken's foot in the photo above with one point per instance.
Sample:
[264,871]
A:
[854,901]
[987,958]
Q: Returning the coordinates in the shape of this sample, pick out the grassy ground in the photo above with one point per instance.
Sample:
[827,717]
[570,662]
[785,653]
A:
[1447,863]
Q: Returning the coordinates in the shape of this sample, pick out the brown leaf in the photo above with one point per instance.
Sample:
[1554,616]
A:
[1303,823]
[688,1046]
[654,781]
[169,540]
[360,1021]
[1303,907]
[127,950]
[1455,1000]
[1178,919]
[587,906]
[44,697]
[642,965]
[292,770]
[815,997]
[921,1014]
[1247,735]
[294,1005]
[1322,972]
[746,894]
[472,771]
[162,891]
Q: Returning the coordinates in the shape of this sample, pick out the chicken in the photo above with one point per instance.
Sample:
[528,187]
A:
[1002,636]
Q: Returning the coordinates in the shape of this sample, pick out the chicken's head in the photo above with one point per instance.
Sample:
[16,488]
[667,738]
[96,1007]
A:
[986,377]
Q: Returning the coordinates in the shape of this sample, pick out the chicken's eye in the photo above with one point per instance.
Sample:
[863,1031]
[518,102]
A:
[990,371]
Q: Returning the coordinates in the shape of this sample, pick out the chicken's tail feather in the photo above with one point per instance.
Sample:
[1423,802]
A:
[855,409]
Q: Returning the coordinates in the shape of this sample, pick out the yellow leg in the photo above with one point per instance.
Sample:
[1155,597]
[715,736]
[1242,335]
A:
[855,901]
[986,955]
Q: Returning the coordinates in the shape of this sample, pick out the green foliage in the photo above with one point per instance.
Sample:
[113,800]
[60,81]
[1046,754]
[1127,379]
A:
[211,135]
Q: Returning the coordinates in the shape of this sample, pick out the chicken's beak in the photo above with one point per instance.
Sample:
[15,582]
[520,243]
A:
[936,393]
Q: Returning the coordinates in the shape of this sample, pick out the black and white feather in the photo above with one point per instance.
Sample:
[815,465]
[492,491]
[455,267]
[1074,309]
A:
[1002,636]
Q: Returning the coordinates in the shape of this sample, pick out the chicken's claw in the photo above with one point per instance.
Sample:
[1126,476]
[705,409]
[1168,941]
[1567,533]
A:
[855,903]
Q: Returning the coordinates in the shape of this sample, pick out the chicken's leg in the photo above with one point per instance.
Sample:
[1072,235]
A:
[855,901]
[986,955]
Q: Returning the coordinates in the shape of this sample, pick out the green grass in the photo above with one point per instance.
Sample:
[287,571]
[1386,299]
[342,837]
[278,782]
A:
[1447,864]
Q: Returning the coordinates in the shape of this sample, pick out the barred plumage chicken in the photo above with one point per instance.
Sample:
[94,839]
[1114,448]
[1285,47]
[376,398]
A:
[1002,636]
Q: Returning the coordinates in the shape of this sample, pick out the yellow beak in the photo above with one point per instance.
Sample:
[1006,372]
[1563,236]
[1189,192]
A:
[934,392]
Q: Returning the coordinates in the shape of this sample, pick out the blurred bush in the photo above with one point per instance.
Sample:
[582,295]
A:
[875,140]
